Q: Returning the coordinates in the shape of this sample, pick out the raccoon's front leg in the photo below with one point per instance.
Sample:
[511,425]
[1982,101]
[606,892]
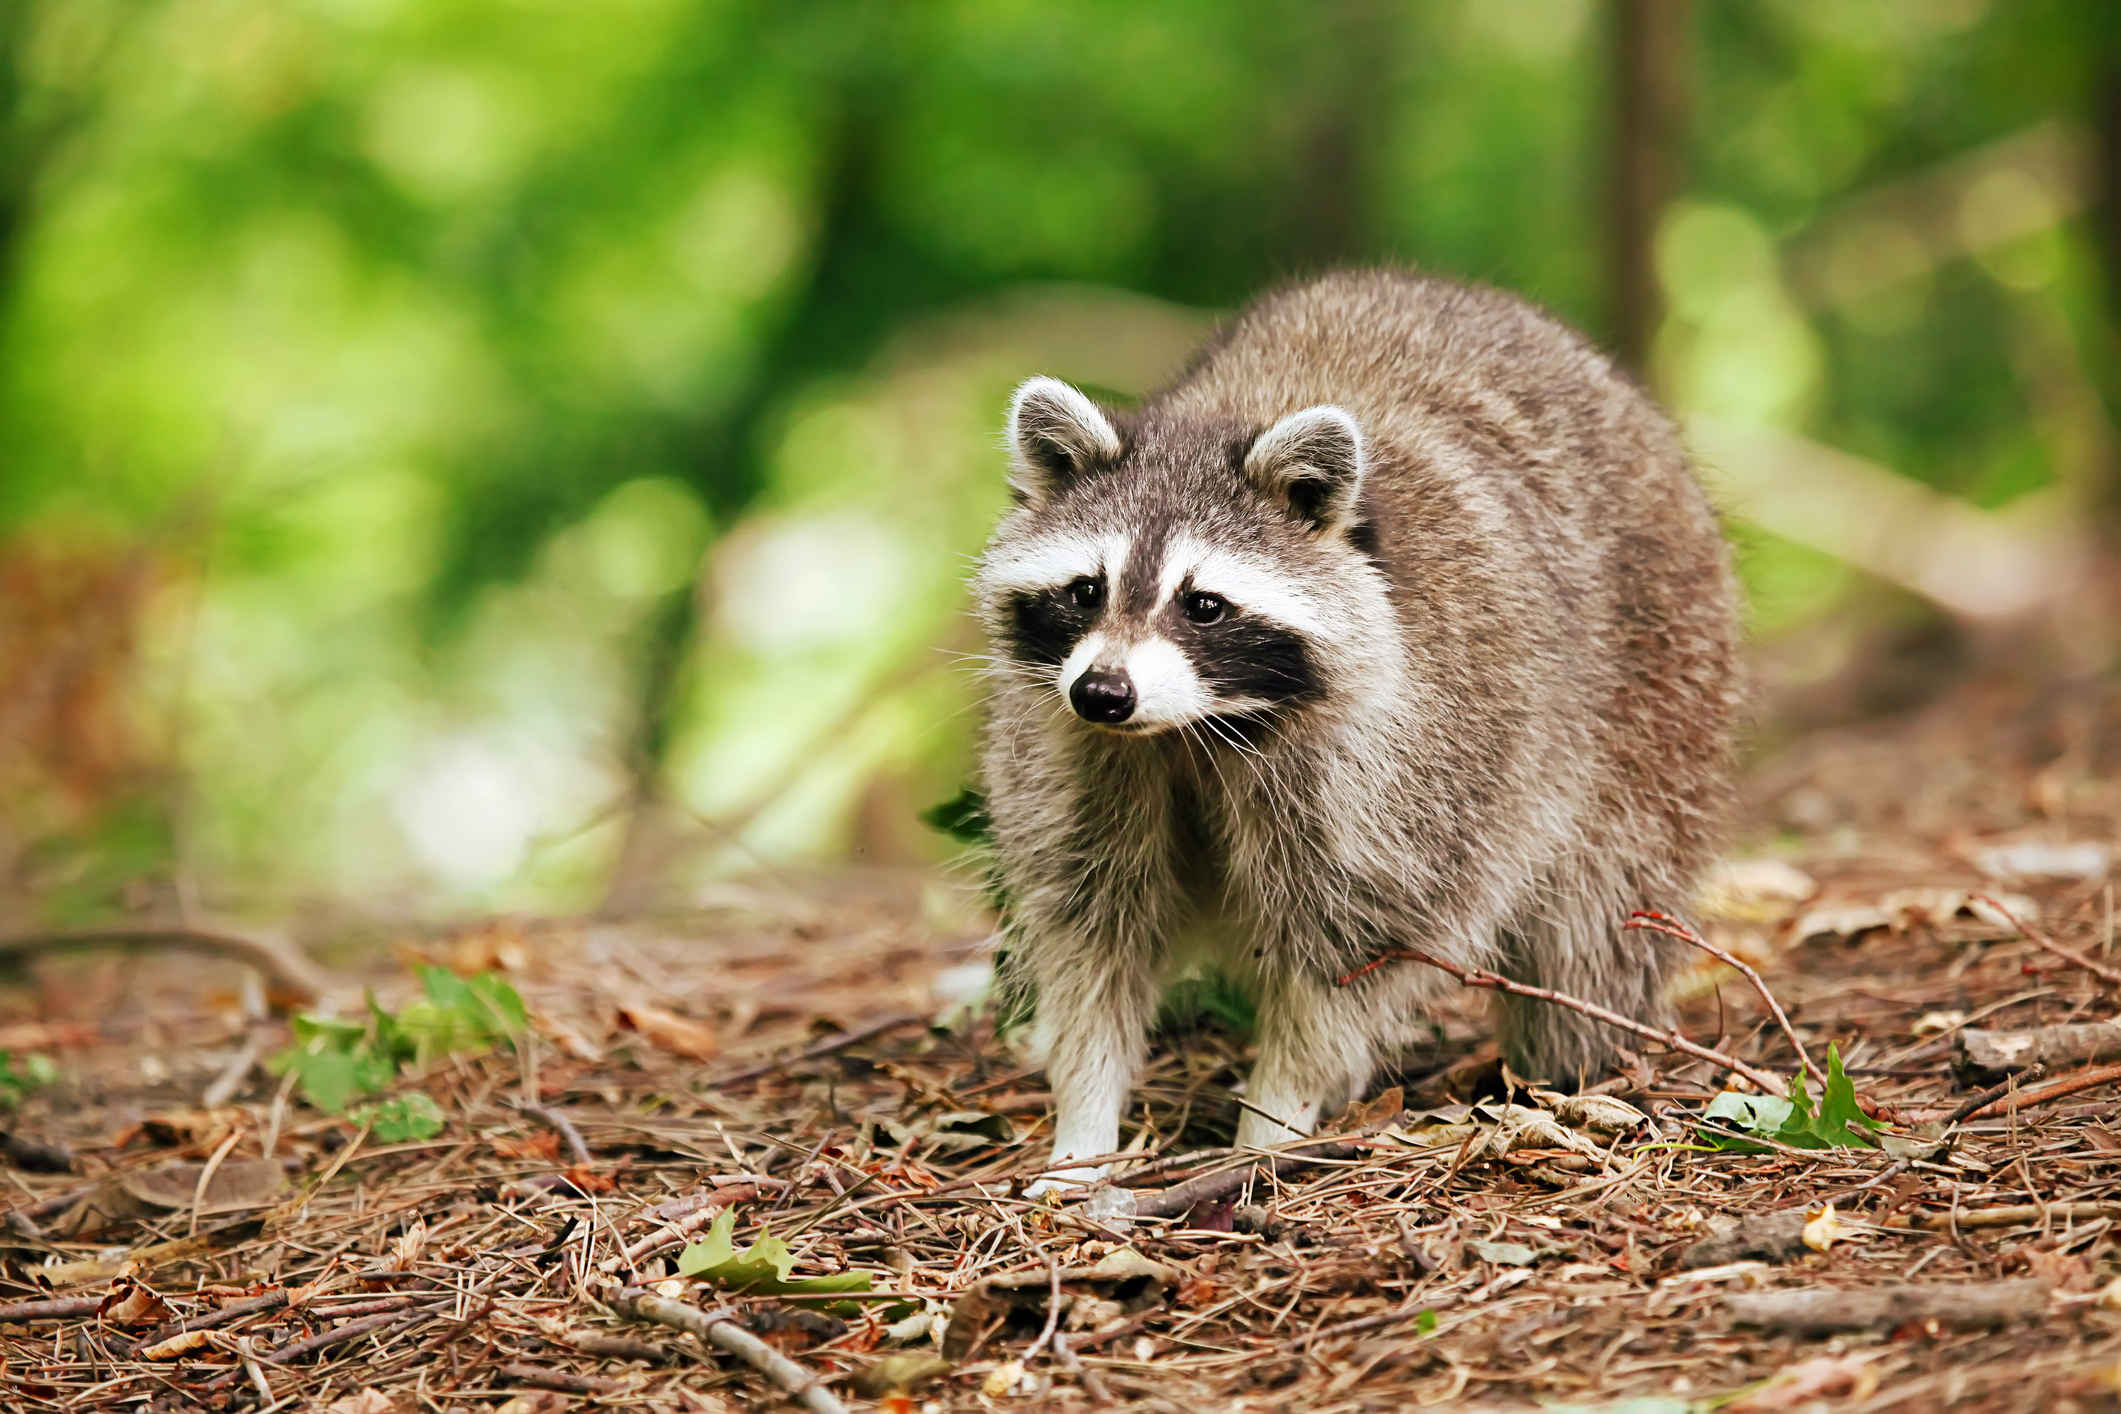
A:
[1093,1024]
[1317,1047]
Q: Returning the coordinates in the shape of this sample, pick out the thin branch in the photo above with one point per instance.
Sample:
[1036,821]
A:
[1495,982]
[1652,921]
[2054,1090]
[1994,1092]
[719,1329]
[2070,955]
[282,961]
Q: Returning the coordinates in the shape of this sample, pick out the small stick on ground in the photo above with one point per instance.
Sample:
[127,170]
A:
[2016,1214]
[538,1377]
[1994,1092]
[2098,969]
[1977,1306]
[1496,982]
[283,962]
[719,1329]
[1649,920]
[2054,1090]
[59,1309]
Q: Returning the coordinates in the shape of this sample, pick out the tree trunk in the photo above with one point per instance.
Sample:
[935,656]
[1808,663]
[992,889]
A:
[1651,46]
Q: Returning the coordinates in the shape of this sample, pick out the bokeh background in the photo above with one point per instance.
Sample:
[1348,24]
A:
[463,455]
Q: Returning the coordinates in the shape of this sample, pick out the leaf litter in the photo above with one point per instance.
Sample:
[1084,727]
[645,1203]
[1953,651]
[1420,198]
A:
[581,1199]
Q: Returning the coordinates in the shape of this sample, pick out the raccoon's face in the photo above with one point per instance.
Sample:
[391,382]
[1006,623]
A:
[1178,574]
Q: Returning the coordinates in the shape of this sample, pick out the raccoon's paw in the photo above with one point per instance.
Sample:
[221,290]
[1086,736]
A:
[1063,1184]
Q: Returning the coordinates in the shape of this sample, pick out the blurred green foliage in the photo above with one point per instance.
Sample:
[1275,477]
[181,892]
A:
[336,1060]
[528,420]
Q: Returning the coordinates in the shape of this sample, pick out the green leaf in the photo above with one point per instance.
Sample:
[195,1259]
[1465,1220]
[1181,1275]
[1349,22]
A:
[404,1119]
[963,817]
[1425,1323]
[1840,1122]
[1837,1122]
[764,1267]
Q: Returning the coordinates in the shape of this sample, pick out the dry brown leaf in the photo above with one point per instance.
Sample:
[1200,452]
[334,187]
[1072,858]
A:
[405,1250]
[680,1035]
[182,1343]
[367,1401]
[132,1303]
[1823,1376]
[237,1183]
[545,1144]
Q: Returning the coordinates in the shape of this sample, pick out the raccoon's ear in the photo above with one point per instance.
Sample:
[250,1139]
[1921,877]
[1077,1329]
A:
[1055,435]
[1314,460]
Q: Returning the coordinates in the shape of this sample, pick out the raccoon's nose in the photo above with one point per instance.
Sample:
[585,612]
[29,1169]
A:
[1103,695]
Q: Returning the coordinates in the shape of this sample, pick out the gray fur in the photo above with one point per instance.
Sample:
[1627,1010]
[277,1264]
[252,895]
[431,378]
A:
[1505,722]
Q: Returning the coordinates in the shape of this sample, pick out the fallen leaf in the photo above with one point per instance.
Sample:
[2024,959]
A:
[1503,1254]
[1754,890]
[1822,1376]
[1601,1114]
[367,1401]
[132,1303]
[543,1145]
[1823,1229]
[182,1343]
[405,1250]
[1932,1022]
[237,1183]
[680,1035]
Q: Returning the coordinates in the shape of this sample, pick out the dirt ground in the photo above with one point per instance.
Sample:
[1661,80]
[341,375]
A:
[1471,1239]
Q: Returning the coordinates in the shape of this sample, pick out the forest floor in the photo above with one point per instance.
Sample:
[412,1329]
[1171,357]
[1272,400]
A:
[1470,1240]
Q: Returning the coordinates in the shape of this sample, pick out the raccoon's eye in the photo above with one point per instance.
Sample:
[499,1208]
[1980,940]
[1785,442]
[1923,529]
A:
[1086,593]
[1204,608]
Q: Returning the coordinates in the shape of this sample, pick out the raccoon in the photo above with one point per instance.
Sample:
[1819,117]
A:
[1397,620]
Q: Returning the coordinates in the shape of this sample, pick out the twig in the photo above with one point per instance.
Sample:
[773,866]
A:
[231,1079]
[1360,1323]
[1174,1201]
[234,1311]
[821,1048]
[568,1132]
[338,1335]
[684,1227]
[1052,1310]
[59,1309]
[1975,1306]
[2054,1090]
[1993,1092]
[2069,955]
[538,1377]
[1493,981]
[719,1329]
[2018,1213]
[206,1176]
[281,961]
[1652,921]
